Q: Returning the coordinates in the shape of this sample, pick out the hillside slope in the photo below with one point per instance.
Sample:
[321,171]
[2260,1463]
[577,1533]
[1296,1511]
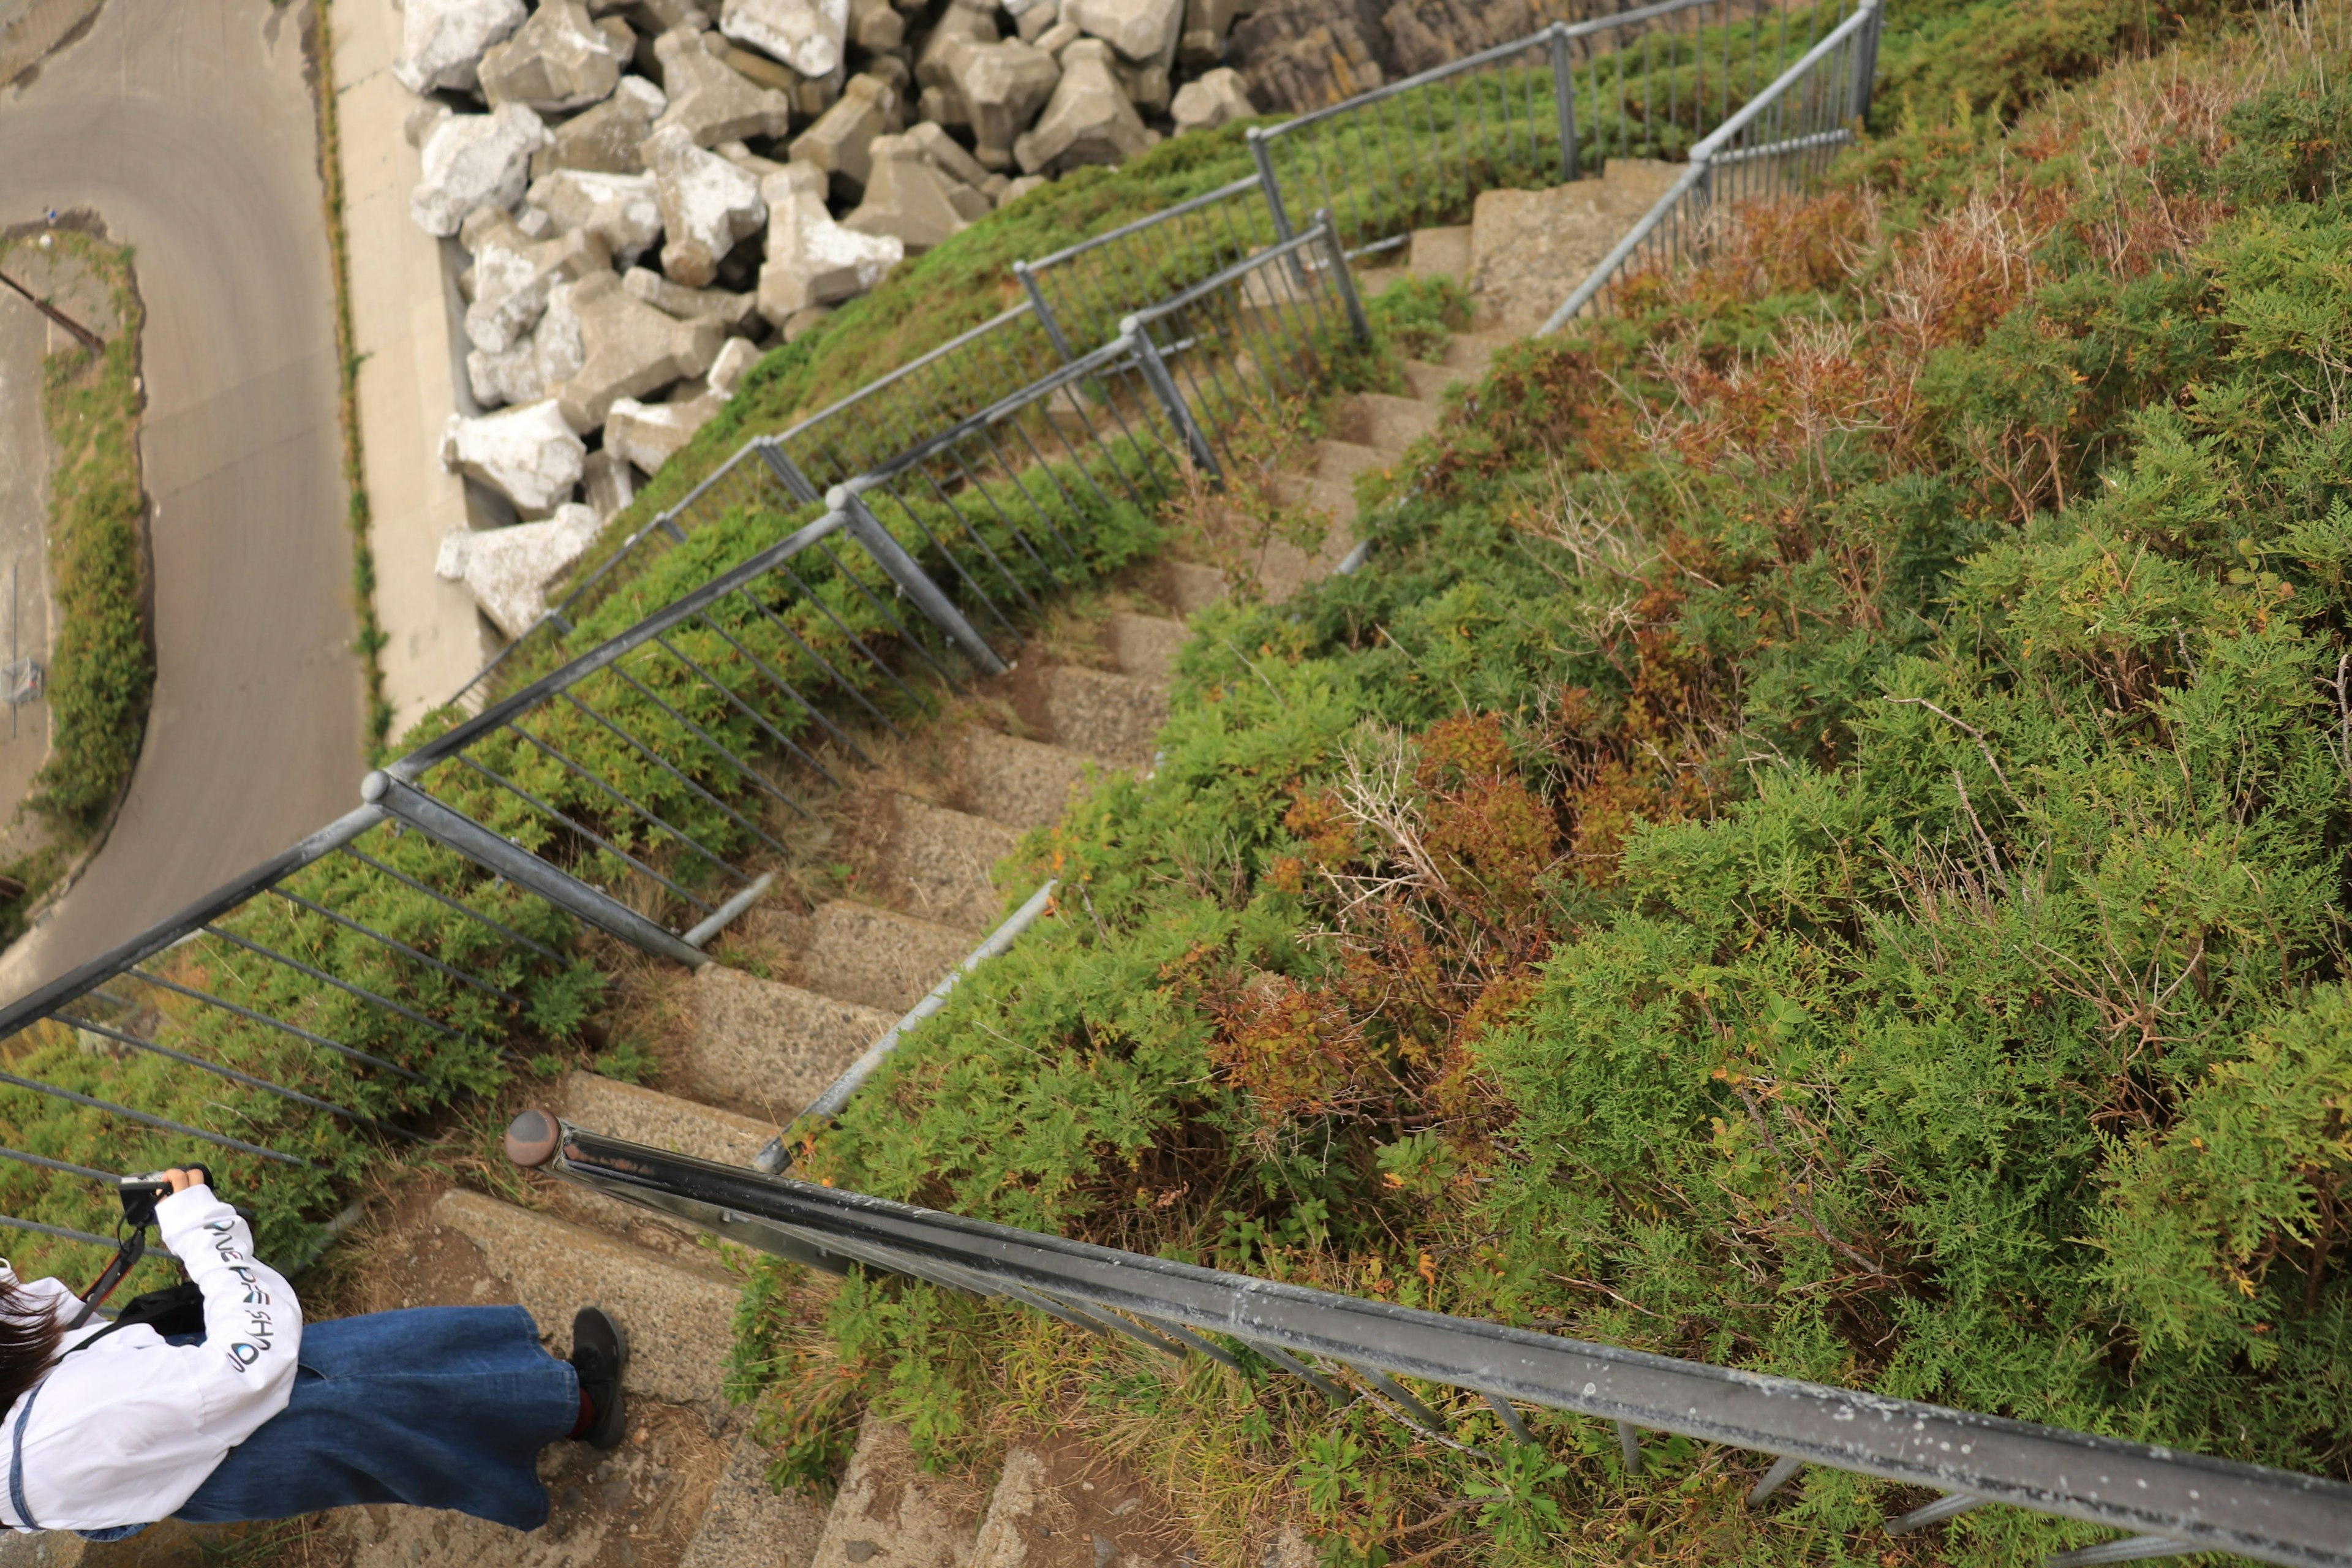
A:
[1817,843]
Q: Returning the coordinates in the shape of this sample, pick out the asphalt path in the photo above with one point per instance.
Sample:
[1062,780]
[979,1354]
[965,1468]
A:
[187,125]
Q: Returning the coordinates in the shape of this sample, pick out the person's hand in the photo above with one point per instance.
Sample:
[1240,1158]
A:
[180,1180]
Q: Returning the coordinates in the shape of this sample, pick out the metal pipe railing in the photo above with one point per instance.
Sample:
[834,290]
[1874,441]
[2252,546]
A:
[2170,1500]
[1694,187]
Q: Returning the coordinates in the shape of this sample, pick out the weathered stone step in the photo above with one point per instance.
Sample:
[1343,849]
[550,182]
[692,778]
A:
[768,1048]
[1187,586]
[1468,354]
[1439,252]
[1343,460]
[1386,423]
[1022,784]
[892,1513]
[878,957]
[1428,382]
[936,864]
[1336,499]
[665,1121]
[1146,646]
[1115,718]
[678,1314]
[748,1524]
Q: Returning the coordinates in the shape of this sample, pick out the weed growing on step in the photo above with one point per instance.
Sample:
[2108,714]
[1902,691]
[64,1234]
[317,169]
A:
[1816,844]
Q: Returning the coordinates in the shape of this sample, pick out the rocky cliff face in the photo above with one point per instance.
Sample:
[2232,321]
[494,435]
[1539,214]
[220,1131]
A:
[1301,55]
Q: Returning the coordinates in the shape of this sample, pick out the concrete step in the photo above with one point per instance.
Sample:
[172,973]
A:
[1187,586]
[1115,718]
[1340,459]
[678,1314]
[663,1120]
[748,1524]
[1335,499]
[1468,354]
[768,1048]
[1531,249]
[1439,252]
[1428,382]
[892,1513]
[879,958]
[1385,423]
[1146,646]
[1021,783]
[936,864]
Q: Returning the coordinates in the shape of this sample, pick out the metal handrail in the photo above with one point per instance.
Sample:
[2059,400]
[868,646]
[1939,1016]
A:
[1710,144]
[1225,278]
[2182,1500]
[459,737]
[1002,319]
[1149,220]
[1703,158]
[80,981]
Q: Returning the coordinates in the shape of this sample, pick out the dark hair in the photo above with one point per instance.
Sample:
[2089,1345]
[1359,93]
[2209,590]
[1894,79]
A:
[29,1331]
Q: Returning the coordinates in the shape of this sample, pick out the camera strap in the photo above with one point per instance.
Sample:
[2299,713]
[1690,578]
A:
[127,1254]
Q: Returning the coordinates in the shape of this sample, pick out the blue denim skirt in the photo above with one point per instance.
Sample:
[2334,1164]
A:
[436,1407]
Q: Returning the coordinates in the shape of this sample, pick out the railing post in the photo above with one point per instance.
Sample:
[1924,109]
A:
[457,831]
[1052,324]
[1155,374]
[912,580]
[1347,278]
[1563,97]
[788,473]
[1265,183]
[1262,154]
[1865,60]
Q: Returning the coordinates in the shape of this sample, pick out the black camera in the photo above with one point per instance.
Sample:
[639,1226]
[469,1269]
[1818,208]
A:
[139,1195]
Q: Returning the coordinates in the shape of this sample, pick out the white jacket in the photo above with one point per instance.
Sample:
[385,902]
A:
[124,1432]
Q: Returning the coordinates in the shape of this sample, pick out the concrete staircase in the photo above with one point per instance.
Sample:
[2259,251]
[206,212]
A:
[750,1049]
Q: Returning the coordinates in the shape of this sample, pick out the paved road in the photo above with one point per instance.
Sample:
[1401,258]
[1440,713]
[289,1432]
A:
[188,127]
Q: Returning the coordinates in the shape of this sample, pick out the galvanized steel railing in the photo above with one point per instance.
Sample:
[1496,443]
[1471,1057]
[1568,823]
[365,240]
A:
[644,787]
[1770,147]
[2172,1503]
[362,976]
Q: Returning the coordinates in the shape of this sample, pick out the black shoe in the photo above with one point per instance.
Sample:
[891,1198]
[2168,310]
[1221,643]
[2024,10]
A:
[599,1353]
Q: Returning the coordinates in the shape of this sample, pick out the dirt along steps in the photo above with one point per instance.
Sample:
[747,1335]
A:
[802,993]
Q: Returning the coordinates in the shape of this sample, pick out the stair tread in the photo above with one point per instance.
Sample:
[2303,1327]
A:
[878,957]
[1335,498]
[938,862]
[667,1121]
[767,1047]
[1022,784]
[1146,646]
[895,1512]
[748,1524]
[1439,252]
[1190,585]
[679,1315]
[1099,713]
[1386,423]
[1342,459]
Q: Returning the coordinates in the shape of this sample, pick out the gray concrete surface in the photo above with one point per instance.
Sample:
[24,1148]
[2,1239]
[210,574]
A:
[189,129]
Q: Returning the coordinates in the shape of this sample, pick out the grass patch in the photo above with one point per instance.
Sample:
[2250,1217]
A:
[102,664]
